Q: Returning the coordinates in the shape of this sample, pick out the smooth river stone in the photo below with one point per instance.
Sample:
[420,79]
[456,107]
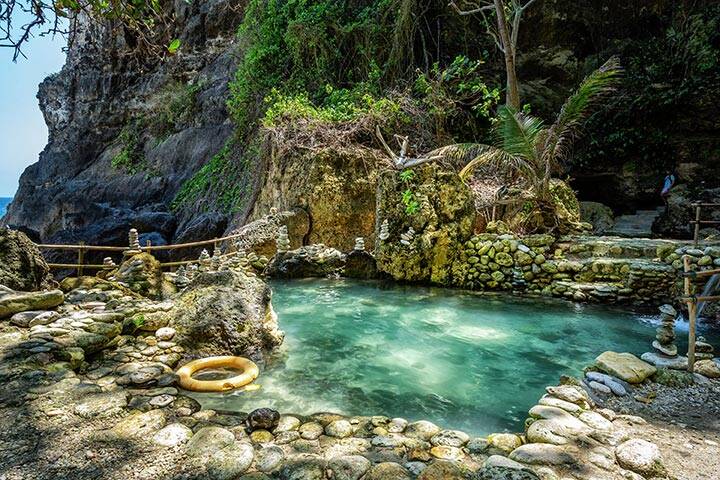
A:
[625,366]
[562,418]
[551,401]
[544,454]
[172,435]
[547,431]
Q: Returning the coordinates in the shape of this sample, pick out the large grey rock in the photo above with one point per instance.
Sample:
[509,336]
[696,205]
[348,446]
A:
[230,462]
[22,266]
[208,440]
[172,435]
[226,313]
[309,261]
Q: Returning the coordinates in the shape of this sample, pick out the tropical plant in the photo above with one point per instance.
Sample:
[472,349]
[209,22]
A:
[530,152]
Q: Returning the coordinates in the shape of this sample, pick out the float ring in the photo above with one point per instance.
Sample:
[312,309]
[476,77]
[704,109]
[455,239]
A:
[249,373]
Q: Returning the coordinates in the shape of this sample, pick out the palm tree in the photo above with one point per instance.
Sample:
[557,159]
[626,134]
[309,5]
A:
[532,152]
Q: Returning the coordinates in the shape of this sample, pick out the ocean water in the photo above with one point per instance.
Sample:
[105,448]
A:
[4,202]
[466,361]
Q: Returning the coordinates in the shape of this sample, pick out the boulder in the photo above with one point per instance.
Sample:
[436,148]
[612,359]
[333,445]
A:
[708,368]
[360,264]
[305,262]
[442,221]
[544,454]
[625,366]
[225,313]
[12,302]
[142,274]
[598,215]
[641,457]
[22,266]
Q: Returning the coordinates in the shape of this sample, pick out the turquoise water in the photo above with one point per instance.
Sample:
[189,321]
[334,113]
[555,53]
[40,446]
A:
[462,360]
[4,202]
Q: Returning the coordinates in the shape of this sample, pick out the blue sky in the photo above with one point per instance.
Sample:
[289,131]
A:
[22,129]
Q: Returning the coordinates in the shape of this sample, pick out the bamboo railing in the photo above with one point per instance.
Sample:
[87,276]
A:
[698,221]
[82,249]
[692,303]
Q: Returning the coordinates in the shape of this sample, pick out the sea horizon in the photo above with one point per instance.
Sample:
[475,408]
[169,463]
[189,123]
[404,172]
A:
[4,202]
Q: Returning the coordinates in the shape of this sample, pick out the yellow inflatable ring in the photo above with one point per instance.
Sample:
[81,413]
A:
[249,373]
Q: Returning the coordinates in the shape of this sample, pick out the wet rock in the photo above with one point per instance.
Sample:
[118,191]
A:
[339,429]
[269,459]
[640,456]
[304,467]
[208,440]
[450,438]
[423,430]
[388,471]
[507,442]
[311,430]
[443,470]
[351,467]
[261,436]
[287,423]
[625,366]
[263,418]
[12,302]
[397,425]
[172,435]
[230,462]
[543,454]
[708,368]
[360,264]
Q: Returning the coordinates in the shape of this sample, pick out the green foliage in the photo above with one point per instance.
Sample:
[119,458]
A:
[337,105]
[408,198]
[457,96]
[130,158]
[221,183]
[301,46]
[666,75]
[173,46]
[138,321]
[176,104]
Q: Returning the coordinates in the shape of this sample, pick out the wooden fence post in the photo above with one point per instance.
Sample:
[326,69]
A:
[81,259]
[696,237]
[692,314]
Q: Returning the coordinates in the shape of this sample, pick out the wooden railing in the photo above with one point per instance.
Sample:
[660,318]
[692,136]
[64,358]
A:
[698,219]
[82,249]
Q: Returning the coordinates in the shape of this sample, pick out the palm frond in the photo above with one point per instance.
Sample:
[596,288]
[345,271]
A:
[459,153]
[498,158]
[580,105]
[517,133]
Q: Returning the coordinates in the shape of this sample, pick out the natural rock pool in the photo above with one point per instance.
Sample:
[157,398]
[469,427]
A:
[466,361]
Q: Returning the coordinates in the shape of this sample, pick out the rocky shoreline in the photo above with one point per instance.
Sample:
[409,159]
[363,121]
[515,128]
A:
[88,390]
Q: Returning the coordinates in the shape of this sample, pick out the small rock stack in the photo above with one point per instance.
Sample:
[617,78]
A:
[108,263]
[703,350]
[216,260]
[181,279]
[134,243]
[283,240]
[359,244]
[407,237]
[384,230]
[665,354]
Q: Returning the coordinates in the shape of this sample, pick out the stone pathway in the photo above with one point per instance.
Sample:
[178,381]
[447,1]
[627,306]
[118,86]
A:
[637,225]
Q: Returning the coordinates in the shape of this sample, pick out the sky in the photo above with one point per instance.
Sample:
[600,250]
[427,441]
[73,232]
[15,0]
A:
[22,129]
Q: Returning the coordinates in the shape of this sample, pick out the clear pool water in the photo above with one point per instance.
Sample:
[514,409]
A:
[462,360]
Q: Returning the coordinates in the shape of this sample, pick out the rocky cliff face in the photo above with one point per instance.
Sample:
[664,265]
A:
[123,136]
[126,137]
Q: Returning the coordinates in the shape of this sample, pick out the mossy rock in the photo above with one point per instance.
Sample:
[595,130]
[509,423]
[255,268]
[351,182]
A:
[673,378]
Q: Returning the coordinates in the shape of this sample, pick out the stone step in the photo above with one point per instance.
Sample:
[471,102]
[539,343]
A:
[637,225]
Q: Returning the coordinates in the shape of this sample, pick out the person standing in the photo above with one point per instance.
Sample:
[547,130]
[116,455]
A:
[668,184]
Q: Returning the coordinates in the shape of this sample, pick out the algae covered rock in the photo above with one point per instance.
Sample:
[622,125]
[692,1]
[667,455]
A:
[598,215]
[310,261]
[225,313]
[142,274]
[440,212]
[625,366]
[22,267]
[12,302]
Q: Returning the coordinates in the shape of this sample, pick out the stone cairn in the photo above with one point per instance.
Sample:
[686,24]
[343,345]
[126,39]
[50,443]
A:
[216,260]
[359,244]
[665,351]
[134,243]
[273,211]
[204,261]
[181,278]
[384,230]
[283,240]
[407,237]
[108,263]
[664,341]
[703,350]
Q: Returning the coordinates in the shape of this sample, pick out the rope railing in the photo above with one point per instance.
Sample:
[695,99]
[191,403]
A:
[82,249]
